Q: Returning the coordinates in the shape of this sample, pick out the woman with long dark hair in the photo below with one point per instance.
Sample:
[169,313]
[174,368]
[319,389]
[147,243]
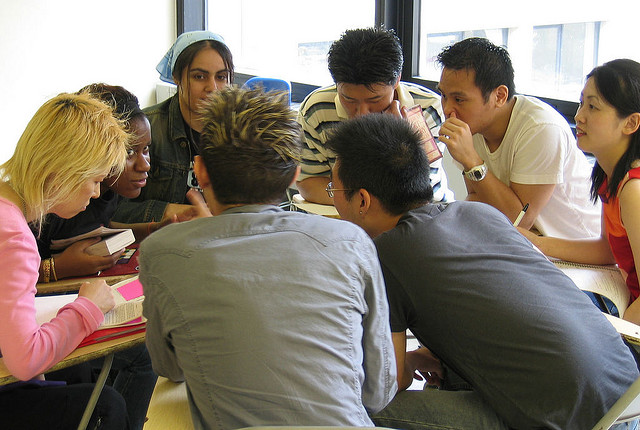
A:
[608,126]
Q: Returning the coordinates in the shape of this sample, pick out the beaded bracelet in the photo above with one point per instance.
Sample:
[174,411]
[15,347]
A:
[46,270]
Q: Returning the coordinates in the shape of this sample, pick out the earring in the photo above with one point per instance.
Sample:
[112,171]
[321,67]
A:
[360,212]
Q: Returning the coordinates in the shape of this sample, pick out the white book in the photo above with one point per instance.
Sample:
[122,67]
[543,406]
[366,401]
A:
[110,244]
[58,244]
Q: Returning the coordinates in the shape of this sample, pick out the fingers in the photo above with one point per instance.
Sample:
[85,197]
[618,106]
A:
[195,197]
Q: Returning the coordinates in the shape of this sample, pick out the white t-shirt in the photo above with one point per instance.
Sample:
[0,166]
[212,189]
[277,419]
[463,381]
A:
[539,148]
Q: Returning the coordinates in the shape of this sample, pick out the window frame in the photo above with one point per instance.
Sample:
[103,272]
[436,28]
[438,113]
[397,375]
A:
[403,16]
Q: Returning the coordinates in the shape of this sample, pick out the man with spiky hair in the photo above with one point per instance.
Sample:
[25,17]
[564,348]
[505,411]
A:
[271,317]
[366,66]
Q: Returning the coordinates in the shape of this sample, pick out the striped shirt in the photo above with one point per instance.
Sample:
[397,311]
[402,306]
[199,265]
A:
[321,110]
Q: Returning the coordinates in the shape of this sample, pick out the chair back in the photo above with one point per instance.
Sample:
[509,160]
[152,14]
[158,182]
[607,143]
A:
[626,408]
[269,84]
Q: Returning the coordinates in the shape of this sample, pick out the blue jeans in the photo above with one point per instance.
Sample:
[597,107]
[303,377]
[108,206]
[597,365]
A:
[432,409]
[631,425]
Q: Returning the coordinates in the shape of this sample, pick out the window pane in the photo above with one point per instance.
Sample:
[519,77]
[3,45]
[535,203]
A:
[551,52]
[286,38]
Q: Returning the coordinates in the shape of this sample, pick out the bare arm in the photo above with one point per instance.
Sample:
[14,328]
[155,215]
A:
[629,209]
[510,200]
[594,250]
[409,363]
[313,190]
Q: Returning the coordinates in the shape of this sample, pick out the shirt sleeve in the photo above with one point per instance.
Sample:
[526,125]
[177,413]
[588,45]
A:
[163,356]
[539,156]
[379,357]
[29,349]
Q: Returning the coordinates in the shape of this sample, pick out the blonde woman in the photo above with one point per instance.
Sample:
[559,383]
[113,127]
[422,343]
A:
[70,145]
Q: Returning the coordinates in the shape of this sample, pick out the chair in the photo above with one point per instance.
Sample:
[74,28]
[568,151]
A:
[269,84]
[626,408]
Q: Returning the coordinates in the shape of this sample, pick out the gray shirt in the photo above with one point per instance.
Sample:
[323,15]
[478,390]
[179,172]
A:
[271,317]
[474,291]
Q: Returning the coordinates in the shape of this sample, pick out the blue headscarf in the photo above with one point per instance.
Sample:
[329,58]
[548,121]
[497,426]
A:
[166,65]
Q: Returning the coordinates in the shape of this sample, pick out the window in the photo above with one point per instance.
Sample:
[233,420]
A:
[288,39]
[551,52]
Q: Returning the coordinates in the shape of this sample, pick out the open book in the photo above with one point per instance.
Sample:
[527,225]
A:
[125,318]
[604,280]
[608,282]
[113,239]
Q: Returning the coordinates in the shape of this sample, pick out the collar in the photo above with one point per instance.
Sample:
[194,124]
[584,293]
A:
[252,208]
[176,122]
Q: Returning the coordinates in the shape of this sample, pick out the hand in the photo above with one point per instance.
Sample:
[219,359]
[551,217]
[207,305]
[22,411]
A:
[456,134]
[99,293]
[74,261]
[425,366]
[180,213]
[395,109]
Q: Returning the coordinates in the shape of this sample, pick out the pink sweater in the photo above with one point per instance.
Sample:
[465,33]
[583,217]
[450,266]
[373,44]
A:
[29,349]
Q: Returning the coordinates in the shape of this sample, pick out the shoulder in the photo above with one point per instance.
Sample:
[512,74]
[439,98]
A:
[321,98]
[538,111]
[161,108]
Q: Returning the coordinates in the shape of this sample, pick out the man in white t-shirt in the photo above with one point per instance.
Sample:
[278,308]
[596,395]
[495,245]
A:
[514,150]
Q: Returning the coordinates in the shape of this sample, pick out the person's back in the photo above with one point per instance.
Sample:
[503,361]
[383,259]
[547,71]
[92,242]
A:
[271,317]
[503,317]
[266,317]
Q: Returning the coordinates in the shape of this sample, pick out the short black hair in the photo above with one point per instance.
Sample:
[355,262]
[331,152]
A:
[251,145]
[383,154]
[366,56]
[124,103]
[491,64]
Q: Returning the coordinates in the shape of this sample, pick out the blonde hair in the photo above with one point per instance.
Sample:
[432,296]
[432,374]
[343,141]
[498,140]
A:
[71,138]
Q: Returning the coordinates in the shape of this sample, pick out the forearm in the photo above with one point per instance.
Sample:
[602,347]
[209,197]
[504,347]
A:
[314,190]
[494,192]
[587,251]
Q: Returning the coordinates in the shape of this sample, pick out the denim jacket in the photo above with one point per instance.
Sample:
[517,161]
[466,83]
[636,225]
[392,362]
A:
[170,155]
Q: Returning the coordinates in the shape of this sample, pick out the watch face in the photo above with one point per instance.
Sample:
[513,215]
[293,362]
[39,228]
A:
[477,174]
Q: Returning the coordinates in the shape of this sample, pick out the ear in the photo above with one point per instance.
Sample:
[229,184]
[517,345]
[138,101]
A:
[200,170]
[295,177]
[365,201]
[501,95]
[632,123]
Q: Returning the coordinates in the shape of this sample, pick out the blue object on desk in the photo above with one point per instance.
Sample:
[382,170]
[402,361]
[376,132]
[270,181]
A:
[269,84]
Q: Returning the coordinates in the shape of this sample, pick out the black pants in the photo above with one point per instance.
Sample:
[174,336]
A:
[33,407]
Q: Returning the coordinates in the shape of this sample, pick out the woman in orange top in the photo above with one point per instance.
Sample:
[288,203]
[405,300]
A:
[607,125]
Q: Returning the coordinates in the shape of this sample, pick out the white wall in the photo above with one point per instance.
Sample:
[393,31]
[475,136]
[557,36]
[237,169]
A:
[48,47]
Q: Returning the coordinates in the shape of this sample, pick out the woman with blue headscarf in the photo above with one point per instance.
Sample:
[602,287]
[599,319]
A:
[199,62]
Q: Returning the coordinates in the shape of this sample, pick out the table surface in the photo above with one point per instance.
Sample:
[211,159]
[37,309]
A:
[85,353]
[314,208]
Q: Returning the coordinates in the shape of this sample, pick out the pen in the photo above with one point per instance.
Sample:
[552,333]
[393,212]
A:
[520,215]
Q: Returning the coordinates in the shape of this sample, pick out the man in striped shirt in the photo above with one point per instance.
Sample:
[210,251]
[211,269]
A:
[365,65]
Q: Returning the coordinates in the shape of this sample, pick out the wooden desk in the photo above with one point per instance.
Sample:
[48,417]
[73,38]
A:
[72,285]
[314,208]
[80,355]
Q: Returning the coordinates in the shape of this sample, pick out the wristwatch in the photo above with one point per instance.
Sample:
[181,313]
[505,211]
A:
[476,173]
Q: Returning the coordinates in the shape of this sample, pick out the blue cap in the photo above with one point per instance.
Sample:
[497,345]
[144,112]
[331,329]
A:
[168,62]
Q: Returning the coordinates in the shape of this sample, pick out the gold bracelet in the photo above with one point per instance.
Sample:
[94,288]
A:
[46,270]
[54,275]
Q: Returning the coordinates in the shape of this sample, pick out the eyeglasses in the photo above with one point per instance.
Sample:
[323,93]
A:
[330,189]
